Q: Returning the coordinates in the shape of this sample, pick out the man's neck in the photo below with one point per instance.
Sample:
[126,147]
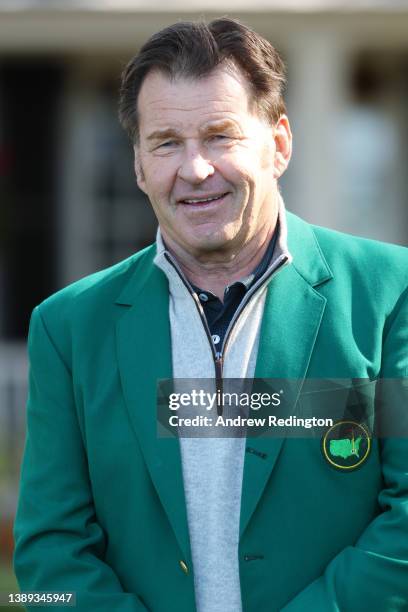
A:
[214,274]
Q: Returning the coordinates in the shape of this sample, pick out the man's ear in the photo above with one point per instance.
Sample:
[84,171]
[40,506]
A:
[140,177]
[283,145]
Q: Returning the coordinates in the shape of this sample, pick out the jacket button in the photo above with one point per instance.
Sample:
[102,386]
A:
[183,566]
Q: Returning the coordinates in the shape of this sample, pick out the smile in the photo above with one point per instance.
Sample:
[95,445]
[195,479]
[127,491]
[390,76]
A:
[203,201]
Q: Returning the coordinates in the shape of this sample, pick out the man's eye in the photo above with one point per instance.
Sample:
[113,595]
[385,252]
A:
[221,139]
[168,143]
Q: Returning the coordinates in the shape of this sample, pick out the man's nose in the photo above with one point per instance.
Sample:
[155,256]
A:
[195,167]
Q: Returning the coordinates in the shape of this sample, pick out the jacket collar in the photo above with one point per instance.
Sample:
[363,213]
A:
[308,258]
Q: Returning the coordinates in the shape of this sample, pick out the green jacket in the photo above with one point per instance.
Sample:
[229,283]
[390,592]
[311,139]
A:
[101,509]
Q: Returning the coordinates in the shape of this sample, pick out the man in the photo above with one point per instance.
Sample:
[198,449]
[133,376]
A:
[235,287]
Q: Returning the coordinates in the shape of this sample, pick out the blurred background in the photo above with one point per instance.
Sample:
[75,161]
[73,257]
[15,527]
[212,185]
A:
[69,204]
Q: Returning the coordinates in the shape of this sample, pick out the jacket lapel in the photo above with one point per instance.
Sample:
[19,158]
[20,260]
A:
[144,355]
[292,316]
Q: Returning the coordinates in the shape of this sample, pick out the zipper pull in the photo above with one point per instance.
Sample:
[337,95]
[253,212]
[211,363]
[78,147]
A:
[219,362]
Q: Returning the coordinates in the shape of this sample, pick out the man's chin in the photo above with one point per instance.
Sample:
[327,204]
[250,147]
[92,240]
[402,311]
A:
[208,243]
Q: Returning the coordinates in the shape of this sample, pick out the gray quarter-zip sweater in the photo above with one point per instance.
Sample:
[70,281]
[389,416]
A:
[213,467]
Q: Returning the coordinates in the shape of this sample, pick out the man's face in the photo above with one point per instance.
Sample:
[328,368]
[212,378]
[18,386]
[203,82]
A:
[208,165]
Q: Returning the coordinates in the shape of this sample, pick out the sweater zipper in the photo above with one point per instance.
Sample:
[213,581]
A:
[218,356]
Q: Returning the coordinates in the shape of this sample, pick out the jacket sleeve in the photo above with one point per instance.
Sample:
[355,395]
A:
[373,574]
[59,545]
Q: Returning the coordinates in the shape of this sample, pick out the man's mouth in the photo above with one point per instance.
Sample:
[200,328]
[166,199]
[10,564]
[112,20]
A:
[203,201]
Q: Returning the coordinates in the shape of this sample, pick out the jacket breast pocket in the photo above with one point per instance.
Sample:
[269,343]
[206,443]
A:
[344,413]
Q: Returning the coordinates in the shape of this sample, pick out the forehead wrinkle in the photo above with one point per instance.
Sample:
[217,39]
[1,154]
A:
[196,98]
[204,104]
[205,120]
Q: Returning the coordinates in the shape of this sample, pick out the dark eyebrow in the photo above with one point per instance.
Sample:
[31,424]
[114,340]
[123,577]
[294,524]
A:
[209,129]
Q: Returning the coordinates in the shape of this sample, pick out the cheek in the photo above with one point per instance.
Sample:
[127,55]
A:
[245,164]
[236,169]
[259,169]
[259,156]
[267,157]
[159,179]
